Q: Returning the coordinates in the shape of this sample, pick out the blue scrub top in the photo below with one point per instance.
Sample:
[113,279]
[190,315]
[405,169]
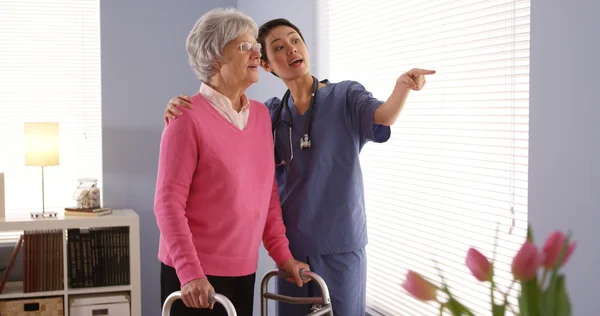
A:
[322,191]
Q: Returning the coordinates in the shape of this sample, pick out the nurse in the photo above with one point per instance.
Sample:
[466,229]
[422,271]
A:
[320,128]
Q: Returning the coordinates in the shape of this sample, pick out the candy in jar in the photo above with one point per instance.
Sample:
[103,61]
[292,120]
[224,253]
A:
[88,193]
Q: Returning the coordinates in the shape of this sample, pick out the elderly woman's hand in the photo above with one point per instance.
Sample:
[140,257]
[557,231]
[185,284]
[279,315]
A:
[196,293]
[171,111]
[293,267]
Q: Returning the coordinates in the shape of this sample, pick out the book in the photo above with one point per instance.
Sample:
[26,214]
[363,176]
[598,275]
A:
[11,262]
[89,213]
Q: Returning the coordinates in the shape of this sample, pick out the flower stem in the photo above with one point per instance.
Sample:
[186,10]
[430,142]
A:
[544,275]
[508,291]
[512,310]
[492,287]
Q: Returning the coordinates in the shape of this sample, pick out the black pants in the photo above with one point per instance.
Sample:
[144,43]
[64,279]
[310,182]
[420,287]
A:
[239,290]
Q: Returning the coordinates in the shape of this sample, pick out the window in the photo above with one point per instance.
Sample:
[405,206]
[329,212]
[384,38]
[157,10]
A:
[50,72]
[455,168]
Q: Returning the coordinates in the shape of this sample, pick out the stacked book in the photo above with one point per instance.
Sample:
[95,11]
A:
[42,261]
[75,211]
[98,257]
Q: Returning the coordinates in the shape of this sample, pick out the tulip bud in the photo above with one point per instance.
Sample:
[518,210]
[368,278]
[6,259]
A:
[526,262]
[552,248]
[418,287]
[479,265]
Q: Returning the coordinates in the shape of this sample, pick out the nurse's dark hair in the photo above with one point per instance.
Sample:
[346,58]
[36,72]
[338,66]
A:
[265,29]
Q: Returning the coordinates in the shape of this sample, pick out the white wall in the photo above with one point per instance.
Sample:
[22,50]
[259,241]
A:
[564,175]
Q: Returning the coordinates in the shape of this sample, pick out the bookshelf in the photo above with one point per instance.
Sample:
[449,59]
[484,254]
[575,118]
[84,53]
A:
[119,220]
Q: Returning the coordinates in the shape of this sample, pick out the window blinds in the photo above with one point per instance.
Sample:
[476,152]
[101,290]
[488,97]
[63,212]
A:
[50,72]
[454,172]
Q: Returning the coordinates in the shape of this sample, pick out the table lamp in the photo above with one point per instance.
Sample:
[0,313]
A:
[42,150]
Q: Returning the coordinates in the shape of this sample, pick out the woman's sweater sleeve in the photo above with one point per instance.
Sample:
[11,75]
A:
[274,238]
[177,164]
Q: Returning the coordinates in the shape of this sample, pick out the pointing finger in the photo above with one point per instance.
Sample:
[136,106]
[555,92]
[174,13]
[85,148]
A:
[418,72]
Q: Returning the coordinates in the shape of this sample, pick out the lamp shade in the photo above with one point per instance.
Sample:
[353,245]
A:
[41,144]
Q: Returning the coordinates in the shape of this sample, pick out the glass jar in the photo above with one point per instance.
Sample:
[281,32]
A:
[87,194]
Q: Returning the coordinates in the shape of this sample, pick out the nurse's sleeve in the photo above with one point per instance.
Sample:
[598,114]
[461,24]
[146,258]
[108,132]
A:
[274,238]
[363,106]
[272,104]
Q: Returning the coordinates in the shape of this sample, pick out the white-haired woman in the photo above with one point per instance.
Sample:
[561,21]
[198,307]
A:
[216,194]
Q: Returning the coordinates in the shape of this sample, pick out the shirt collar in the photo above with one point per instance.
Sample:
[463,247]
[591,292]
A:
[220,100]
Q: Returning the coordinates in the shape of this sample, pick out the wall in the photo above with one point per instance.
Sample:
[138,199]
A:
[144,64]
[564,176]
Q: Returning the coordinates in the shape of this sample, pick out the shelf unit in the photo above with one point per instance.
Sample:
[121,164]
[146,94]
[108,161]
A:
[119,218]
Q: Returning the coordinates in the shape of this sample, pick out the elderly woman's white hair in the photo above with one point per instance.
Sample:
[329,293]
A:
[210,34]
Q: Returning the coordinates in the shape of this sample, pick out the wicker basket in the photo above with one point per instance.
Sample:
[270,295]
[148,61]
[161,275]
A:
[49,306]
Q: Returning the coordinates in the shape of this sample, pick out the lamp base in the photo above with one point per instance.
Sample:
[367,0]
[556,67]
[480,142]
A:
[43,214]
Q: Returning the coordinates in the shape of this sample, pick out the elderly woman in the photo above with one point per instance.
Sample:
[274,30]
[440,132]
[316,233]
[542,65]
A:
[216,194]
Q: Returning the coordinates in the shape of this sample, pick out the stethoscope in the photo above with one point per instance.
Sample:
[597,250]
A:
[305,141]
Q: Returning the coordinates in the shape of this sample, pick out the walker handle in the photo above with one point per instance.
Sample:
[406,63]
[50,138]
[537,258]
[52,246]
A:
[324,299]
[213,297]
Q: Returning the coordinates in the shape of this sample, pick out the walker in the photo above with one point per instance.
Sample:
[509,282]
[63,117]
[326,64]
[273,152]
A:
[214,297]
[320,305]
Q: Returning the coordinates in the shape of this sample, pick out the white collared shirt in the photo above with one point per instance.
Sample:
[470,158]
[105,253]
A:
[225,108]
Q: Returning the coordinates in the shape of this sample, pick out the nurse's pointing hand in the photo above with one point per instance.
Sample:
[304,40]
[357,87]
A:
[171,112]
[293,267]
[415,78]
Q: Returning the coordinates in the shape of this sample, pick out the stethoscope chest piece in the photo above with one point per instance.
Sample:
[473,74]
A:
[305,142]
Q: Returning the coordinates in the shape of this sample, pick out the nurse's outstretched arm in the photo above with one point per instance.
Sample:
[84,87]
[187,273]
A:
[414,79]
[171,111]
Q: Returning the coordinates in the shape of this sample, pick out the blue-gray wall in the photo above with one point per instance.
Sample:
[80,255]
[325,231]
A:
[564,176]
[144,64]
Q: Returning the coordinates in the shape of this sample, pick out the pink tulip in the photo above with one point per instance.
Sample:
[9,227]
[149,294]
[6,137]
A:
[552,248]
[418,287]
[526,262]
[479,265]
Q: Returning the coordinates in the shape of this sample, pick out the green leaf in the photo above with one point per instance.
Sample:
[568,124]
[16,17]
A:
[458,309]
[498,310]
[528,300]
[555,300]
[548,297]
[455,307]
[563,303]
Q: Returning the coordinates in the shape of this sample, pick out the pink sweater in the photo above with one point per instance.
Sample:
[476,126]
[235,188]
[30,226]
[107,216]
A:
[216,194]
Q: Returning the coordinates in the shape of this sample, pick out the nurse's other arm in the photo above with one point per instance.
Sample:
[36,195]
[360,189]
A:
[414,79]
[171,111]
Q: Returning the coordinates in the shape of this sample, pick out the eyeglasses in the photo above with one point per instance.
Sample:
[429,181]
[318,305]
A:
[283,161]
[245,46]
